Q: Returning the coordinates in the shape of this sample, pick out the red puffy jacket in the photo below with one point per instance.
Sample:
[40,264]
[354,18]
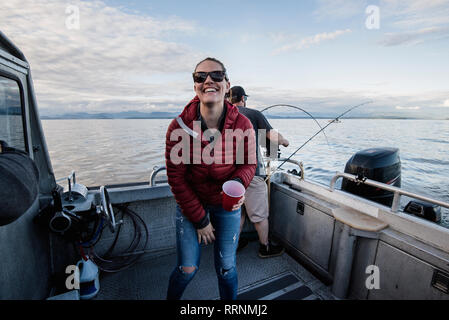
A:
[193,179]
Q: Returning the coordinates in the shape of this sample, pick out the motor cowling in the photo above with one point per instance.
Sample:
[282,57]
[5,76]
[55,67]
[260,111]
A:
[425,210]
[379,164]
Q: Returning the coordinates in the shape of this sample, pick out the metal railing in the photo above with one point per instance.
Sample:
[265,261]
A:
[398,192]
[298,163]
[154,173]
[158,169]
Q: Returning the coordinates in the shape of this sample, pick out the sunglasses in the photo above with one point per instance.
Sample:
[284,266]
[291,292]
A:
[216,76]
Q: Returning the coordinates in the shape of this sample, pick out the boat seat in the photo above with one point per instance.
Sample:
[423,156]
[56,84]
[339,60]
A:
[358,220]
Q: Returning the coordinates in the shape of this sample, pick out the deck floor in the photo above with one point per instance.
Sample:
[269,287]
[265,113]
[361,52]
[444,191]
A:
[148,280]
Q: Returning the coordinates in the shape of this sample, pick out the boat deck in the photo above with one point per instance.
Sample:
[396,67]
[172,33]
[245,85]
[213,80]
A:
[266,279]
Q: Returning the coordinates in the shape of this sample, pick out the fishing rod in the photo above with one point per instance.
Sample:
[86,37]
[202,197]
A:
[299,108]
[322,129]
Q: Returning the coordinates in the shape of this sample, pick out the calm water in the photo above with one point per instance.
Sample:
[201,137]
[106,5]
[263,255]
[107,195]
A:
[118,151]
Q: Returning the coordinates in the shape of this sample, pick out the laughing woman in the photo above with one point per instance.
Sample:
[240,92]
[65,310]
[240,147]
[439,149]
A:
[196,180]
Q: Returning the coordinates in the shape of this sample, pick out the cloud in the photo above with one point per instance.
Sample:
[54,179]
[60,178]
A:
[246,37]
[311,41]
[114,57]
[416,13]
[414,37]
[411,21]
[339,9]
[446,103]
[407,108]
[333,102]
[415,21]
[280,37]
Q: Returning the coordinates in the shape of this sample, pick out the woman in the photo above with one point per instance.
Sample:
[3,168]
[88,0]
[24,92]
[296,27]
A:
[196,181]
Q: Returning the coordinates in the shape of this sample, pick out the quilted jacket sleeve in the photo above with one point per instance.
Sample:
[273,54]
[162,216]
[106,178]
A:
[245,171]
[176,172]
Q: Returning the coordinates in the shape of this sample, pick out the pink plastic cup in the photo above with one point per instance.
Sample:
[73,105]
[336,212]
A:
[233,191]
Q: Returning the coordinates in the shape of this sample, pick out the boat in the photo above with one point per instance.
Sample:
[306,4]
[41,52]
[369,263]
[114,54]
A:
[339,244]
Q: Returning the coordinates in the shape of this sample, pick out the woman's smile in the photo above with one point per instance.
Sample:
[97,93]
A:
[211,91]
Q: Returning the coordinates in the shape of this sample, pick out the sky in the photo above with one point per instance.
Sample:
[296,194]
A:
[324,55]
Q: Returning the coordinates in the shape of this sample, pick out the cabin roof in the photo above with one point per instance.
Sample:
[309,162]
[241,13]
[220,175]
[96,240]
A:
[9,51]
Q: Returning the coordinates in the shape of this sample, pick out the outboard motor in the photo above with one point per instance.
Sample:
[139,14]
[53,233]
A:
[379,164]
[424,210]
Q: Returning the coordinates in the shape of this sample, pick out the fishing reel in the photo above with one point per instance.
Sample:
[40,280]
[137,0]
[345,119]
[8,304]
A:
[67,220]
[71,212]
[78,221]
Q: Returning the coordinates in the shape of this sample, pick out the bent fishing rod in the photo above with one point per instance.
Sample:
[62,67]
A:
[301,109]
[322,129]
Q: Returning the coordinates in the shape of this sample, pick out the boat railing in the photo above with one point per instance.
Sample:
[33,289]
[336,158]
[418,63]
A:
[271,171]
[298,163]
[157,169]
[398,192]
[154,172]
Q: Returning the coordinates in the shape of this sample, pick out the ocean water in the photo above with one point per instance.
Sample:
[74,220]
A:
[119,151]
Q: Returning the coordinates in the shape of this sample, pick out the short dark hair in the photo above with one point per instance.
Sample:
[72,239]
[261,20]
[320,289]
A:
[214,60]
[236,94]
[235,99]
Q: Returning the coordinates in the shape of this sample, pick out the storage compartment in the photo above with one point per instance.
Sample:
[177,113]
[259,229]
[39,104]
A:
[403,276]
[303,227]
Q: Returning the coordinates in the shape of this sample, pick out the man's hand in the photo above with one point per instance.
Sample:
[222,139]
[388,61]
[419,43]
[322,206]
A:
[275,136]
[206,234]
[284,142]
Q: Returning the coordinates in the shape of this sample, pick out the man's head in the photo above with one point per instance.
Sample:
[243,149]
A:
[238,96]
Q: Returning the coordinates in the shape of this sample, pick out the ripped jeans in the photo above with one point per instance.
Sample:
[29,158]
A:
[227,228]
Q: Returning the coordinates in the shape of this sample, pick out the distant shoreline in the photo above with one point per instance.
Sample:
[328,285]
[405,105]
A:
[171,115]
[268,117]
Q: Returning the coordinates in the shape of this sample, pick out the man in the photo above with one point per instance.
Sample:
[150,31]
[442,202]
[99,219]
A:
[256,196]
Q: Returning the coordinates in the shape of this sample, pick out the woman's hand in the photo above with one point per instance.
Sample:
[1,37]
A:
[238,204]
[206,234]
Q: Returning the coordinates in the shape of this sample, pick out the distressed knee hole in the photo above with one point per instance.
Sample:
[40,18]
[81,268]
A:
[224,271]
[188,269]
